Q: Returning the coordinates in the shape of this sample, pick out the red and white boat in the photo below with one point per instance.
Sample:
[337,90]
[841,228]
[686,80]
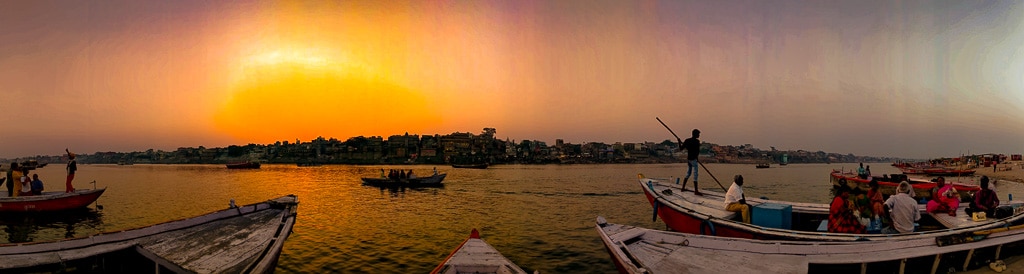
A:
[887,185]
[50,201]
[476,256]
[685,212]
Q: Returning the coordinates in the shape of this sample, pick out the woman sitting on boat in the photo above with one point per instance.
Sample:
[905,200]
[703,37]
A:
[840,214]
[944,198]
[875,199]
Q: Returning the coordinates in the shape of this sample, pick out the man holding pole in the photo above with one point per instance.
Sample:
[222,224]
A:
[692,147]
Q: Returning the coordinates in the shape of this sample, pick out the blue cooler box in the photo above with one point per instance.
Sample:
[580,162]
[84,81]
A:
[773,215]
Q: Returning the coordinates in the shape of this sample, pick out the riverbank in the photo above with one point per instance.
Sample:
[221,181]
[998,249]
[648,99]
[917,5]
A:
[1016,172]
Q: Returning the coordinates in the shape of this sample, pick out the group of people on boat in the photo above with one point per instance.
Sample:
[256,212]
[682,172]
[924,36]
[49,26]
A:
[19,183]
[397,174]
[862,172]
[900,211]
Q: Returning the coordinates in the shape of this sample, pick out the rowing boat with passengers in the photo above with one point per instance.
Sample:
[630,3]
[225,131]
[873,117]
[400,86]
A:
[685,212]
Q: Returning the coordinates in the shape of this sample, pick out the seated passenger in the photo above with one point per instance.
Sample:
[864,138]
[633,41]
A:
[875,199]
[37,185]
[945,199]
[985,200]
[26,184]
[902,210]
[840,214]
[735,201]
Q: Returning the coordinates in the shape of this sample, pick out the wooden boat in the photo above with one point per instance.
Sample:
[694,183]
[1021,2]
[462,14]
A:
[476,256]
[50,201]
[685,212]
[887,185]
[246,239]
[641,250]
[475,166]
[936,171]
[763,165]
[432,180]
[245,165]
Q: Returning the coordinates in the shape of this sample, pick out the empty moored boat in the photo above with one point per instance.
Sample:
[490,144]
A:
[246,239]
[476,256]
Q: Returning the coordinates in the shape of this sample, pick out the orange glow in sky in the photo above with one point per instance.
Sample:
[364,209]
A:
[877,78]
[285,94]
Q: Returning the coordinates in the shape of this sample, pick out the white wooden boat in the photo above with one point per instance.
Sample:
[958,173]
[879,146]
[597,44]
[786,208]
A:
[476,256]
[246,239]
[685,212]
[641,250]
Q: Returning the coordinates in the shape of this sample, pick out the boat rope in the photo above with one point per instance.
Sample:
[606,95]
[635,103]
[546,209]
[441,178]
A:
[707,223]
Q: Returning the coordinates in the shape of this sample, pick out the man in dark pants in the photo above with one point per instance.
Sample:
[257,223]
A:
[10,180]
[692,147]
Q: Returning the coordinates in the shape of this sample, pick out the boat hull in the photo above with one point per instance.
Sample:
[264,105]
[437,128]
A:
[433,180]
[50,201]
[245,239]
[685,212]
[641,250]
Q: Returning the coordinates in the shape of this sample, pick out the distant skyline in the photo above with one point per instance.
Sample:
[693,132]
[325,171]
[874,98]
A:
[874,78]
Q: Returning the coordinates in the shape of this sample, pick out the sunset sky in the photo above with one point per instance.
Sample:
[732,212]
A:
[880,78]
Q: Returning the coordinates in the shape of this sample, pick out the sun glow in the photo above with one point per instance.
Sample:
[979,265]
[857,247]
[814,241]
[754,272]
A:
[287,94]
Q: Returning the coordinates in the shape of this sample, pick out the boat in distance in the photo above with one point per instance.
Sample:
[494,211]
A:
[50,201]
[474,166]
[685,212]
[245,165]
[887,185]
[474,255]
[641,250]
[245,239]
[432,180]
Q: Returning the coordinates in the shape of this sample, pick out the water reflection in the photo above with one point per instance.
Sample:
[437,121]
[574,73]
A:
[398,190]
[23,227]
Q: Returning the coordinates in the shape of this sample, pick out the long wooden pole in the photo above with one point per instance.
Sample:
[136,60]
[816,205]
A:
[698,162]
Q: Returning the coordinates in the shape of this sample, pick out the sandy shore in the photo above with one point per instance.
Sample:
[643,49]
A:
[1016,172]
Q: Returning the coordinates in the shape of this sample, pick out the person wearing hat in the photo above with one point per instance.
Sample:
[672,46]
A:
[692,147]
[902,210]
[72,167]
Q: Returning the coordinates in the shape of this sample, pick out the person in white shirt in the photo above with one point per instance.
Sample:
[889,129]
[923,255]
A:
[735,201]
[902,210]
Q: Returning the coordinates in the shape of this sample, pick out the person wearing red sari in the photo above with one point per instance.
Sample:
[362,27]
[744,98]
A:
[945,199]
[840,216]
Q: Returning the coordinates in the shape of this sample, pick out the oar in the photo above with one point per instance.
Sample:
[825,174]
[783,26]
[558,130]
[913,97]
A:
[698,162]
[968,237]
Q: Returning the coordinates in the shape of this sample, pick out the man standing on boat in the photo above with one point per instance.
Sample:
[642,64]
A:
[692,147]
[72,167]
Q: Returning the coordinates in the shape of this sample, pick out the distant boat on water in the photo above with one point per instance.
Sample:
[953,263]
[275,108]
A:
[433,180]
[245,165]
[763,165]
[476,166]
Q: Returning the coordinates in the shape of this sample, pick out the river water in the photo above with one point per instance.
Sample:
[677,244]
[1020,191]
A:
[539,216]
